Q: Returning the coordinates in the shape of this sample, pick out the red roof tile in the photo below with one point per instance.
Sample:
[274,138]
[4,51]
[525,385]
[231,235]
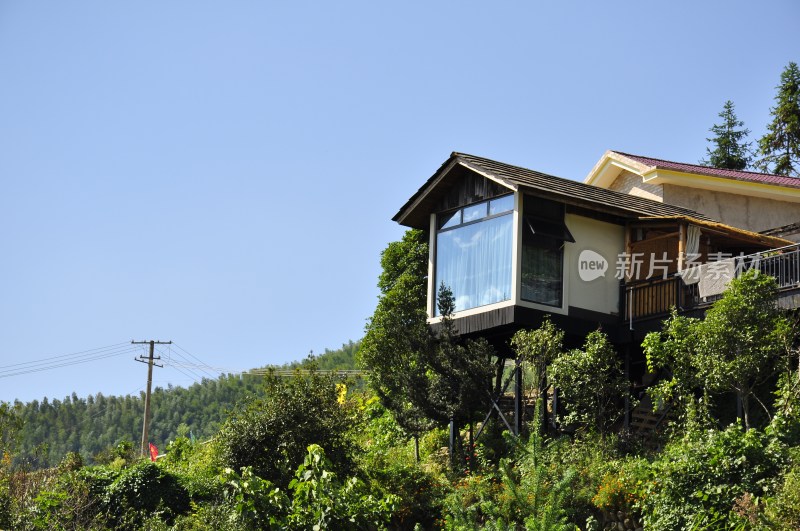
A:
[766,178]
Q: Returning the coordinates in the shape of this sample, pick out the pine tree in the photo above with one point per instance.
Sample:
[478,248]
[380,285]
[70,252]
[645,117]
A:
[780,147]
[730,151]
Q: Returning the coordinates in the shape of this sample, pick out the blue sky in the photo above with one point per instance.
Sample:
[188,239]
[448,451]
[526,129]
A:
[223,174]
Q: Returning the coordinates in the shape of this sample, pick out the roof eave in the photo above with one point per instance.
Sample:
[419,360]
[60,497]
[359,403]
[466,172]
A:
[723,184]
[733,232]
[408,215]
[609,167]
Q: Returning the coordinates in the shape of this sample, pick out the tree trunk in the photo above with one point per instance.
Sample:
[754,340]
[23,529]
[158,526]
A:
[471,454]
[745,399]
[498,379]
[452,442]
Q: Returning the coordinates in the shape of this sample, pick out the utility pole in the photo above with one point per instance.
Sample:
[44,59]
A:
[149,361]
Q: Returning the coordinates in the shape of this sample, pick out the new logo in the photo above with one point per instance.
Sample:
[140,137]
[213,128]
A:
[591,265]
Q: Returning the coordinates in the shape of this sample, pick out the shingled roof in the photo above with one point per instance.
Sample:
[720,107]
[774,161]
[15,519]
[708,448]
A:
[416,211]
[739,175]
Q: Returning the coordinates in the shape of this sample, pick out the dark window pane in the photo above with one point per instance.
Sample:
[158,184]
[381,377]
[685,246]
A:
[543,235]
[542,208]
[542,270]
[551,229]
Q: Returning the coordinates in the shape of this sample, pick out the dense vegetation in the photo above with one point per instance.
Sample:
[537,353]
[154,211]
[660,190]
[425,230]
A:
[90,426]
[315,451]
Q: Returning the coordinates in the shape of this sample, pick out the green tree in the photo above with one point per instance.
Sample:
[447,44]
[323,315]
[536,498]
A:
[538,348]
[460,371]
[730,150]
[10,425]
[743,339]
[780,146]
[739,345]
[420,377]
[591,382]
[675,350]
[397,335]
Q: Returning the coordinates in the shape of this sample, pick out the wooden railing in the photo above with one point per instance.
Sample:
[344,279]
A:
[654,298]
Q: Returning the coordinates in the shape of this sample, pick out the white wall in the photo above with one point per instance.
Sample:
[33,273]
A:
[606,239]
[751,213]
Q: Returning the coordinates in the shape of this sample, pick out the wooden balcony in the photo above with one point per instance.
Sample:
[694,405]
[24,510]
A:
[654,298]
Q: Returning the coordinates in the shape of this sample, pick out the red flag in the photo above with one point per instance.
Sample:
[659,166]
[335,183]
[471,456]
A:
[153,452]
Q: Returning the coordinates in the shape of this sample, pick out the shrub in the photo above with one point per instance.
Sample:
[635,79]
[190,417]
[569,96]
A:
[74,499]
[195,467]
[141,489]
[258,504]
[623,487]
[531,490]
[320,501]
[592,384]
[697,480]
[419,494]
[784,509]
[271,434]
[473,502]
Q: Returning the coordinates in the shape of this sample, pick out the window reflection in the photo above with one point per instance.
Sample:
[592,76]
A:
[473,257]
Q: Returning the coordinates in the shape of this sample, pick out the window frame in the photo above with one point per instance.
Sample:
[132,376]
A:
[510,211]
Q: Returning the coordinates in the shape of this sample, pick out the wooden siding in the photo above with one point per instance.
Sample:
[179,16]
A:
[471,188]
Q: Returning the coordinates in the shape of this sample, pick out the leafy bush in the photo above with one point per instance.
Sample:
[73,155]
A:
[271,434]
[531,491]
[258,504]
[73,499]
[473,502]
[592,384]
[118,456]
[320,501]
[622,489]
[418,494]
[5,496]
[195,467]
[141,489]
[784,509]
[696,480]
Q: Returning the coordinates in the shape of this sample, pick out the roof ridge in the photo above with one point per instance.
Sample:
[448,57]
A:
[700,166]
[457,154]
[582,194]
[586,186]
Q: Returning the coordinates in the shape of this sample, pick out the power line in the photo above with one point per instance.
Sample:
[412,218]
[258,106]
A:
[38,366]
[204,364]
[79,353]
[171,364]
[276,372]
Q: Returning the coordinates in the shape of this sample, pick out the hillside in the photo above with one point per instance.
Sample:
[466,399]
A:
[90,425]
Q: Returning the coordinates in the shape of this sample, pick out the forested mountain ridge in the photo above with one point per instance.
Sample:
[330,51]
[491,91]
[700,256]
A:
[52,428]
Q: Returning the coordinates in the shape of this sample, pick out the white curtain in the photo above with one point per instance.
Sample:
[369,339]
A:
[474,261]
[692,240]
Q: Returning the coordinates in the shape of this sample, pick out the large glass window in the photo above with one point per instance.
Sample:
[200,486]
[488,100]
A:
[543,235]
[473,252]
